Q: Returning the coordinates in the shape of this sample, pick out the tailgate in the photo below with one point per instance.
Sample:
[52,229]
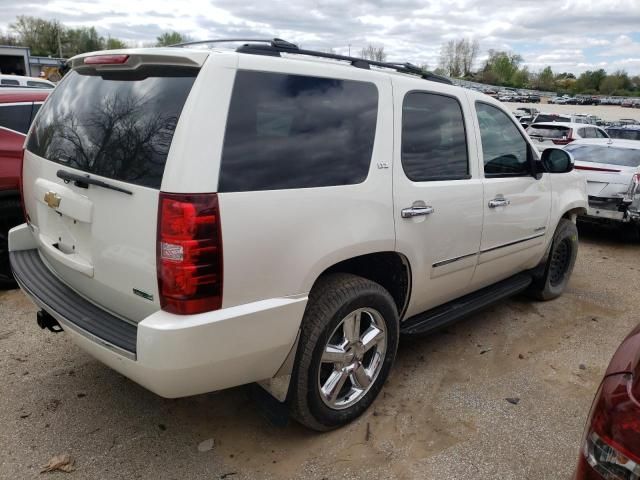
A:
[93,166]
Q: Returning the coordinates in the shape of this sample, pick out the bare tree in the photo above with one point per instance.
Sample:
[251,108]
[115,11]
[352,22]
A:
[457,57]
[374,53]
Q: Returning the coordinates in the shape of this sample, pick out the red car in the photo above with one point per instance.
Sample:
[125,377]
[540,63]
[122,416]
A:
[611,445]
[17,110]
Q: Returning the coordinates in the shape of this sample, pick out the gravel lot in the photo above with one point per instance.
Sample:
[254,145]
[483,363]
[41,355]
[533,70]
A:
[442,415]
[606,112]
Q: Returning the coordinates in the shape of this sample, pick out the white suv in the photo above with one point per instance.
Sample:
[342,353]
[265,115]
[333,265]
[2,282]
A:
[199,219]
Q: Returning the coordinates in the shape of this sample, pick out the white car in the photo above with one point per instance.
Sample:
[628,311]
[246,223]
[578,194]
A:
[283,227]
[13,81]
[557,134]
[612,170]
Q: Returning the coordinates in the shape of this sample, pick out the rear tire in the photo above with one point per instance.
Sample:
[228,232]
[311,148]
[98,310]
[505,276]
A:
[10,216]
[348,342]
[559,264]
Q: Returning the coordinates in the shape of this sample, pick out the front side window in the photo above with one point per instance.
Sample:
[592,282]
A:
[16,117]
[294,131]
[31,83]
[505,151]
[11,82]
[434,143]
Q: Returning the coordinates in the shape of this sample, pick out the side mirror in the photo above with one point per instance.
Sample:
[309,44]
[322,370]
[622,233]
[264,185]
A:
[556,160]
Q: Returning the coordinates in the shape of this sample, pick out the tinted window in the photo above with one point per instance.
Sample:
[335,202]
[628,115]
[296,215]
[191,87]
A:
[547,131]
[542,117]
[6,81]
[600,133]
[16,117]
[624,157]
[31,83]
[624,134]
[291,131]
[505,151]
[584,132]
[434,145]
[118,125]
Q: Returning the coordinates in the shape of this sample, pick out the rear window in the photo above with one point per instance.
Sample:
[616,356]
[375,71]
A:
[624,134]
[551,118]
[31,83]
[116,125]
[623,157]
[293,131]
[548,131]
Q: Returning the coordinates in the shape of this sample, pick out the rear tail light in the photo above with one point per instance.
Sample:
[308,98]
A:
[611,447]
[634,187]
[566,139]
[106,59]
[189,253]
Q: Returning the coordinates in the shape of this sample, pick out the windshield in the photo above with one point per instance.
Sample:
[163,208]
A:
[542,117]
[623,157]
[118,125]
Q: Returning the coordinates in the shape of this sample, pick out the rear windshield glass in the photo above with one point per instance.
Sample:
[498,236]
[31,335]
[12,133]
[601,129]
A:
[551,118]
[547,131]
[118,125]
[624,134]
[624,157]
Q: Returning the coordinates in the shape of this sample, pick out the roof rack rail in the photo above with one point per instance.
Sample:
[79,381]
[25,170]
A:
[274,47]
[274,42]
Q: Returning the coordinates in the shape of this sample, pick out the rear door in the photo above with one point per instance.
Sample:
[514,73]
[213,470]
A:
[112,125]
[437,193]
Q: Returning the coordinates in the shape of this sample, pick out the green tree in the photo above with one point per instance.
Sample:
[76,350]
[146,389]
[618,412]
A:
[114,44]
[546,79]
[501,67]
[171,38]
[41,36]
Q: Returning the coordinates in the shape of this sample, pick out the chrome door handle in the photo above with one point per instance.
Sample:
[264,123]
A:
[416,211]
[499,202]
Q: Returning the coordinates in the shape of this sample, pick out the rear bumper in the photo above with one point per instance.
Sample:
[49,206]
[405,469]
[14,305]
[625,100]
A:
[609,210]
[171,355]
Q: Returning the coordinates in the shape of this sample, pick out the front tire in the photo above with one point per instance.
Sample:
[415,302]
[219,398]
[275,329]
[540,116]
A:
[348,342]
[559,264]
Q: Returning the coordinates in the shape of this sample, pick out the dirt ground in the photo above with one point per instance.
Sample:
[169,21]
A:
[442,415]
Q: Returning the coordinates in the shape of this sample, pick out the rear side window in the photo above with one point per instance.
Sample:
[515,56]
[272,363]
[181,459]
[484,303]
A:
[623,157]
[118,125]
[292,131]
[31,83]
[548,131]
[434,143]
[16,117]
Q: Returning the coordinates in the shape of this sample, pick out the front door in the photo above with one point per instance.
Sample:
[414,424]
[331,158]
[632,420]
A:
[516,204]
[437,194]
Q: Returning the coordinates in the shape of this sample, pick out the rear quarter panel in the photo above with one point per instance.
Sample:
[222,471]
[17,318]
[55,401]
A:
[277,242]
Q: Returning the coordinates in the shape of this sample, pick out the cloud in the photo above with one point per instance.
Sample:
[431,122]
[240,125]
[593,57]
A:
[566,34]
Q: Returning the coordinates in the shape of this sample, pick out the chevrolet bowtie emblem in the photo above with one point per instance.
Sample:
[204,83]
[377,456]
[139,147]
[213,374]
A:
[52,199]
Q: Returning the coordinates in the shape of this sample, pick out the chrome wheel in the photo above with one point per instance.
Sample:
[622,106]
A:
[352,358]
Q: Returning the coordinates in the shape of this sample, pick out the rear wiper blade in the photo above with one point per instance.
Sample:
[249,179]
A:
[83,181]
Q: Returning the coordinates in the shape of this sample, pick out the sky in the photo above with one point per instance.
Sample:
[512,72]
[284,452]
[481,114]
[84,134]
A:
[568,35]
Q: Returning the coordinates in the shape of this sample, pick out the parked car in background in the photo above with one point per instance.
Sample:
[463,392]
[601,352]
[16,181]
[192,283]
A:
[139,240]
[21,81]
[520,111]
[17,111]
[551,134]
[610,447]
[628,121]
[555,117]
[612,170]
[624,132]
